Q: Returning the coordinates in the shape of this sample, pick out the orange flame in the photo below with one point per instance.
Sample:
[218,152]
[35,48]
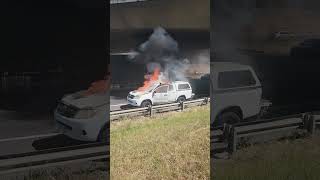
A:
[150,81]
[98,87]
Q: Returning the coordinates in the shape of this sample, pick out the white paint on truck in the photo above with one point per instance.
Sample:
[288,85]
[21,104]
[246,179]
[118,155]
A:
[84,118]
[161,93]
[236,93]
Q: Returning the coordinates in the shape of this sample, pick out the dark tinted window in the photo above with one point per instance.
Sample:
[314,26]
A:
[311,42]
[183,86]
[234,79]
[162,89]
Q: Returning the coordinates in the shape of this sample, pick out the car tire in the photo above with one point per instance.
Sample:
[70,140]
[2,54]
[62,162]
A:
[181,99]
[228,118]
[104,135]
[146,103]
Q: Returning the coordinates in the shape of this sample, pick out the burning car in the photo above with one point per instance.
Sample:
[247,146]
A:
[84,115]
[157,89]
[160,93]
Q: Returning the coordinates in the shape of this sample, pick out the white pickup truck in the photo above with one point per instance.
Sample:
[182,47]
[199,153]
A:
[236,93]
[84,118]
[158,93]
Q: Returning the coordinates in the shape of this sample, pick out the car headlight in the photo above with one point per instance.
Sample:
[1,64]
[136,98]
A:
[137,96]
[85,113]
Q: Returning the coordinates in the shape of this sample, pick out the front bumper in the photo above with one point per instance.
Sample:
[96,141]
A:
[133,102]
[74,129]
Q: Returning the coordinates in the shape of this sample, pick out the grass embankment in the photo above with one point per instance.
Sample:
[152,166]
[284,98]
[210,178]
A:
[283,160]
[174,145]
[76,171]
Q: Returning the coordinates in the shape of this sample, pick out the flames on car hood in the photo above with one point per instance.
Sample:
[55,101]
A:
[96,95]
[80,100]
[135,92]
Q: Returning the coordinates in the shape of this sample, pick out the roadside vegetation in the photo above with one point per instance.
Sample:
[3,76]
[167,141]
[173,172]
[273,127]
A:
[282,160]
[77,171]
[173,145]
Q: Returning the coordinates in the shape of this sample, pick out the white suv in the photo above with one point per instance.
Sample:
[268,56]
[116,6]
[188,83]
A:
[236,93]
[158,93]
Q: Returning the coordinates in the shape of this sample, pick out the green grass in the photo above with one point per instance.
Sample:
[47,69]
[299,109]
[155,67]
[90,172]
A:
[284,160]
[174,145]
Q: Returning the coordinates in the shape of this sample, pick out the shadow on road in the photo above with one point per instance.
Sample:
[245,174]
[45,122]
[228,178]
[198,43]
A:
[56,142]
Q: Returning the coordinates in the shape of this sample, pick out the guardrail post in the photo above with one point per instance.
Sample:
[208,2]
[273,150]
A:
[309,123]
[232,141]
[206,100]
[182,105]
[150,111]
[226,131]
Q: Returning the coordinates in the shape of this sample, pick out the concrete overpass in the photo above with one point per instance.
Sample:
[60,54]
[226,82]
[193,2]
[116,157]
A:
[252,24]
[132,21]
[171,14]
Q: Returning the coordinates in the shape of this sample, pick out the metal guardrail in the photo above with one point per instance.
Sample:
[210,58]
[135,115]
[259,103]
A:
[226,138]
[124,1]
[53,157]
[149,111]
[60,156]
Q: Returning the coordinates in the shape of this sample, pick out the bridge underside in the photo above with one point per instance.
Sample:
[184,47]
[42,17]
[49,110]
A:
[122,41]
[170,14]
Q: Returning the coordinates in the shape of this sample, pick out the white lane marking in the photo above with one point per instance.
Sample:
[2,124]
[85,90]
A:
[29,137]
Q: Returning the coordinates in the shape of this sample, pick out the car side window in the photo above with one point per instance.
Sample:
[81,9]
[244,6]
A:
[183,86]
[162,89]
[233,79]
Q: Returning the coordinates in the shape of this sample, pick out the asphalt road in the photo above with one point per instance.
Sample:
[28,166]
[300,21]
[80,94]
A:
[21,132]
[15,127]
[118,99]
[15,124]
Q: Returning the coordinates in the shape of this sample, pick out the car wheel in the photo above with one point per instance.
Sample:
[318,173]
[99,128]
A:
[146,104]
[228,118]
[104,135]
[181,99]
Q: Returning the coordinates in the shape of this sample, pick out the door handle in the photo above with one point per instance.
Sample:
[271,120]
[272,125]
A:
[166,95]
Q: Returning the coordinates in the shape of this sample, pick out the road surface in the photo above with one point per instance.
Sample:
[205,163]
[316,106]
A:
[14,127]
[118,99]
[20,132]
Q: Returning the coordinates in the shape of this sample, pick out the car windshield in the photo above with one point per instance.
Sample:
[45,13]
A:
[152,87]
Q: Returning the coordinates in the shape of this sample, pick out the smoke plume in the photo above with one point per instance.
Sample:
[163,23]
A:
[161,51]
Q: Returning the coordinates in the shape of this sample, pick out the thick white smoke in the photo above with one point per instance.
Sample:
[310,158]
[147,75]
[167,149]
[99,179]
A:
[162,51]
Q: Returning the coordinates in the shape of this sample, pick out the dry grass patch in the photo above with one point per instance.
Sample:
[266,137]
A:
[284,160]
[77,171]
[174,145]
